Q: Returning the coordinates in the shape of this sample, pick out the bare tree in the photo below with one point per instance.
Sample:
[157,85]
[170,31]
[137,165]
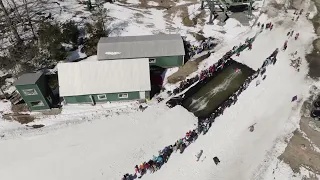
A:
[29,18]
[10,23]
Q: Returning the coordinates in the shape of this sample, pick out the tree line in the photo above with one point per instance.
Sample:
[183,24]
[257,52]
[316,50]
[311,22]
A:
[32,39]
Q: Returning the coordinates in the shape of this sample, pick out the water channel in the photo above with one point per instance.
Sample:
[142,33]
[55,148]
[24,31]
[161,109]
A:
[209,97]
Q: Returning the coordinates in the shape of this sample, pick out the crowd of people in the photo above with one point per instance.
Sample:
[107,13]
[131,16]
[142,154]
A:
[205,45]
[207,73]
[268,25]
[157,161]
[204,124]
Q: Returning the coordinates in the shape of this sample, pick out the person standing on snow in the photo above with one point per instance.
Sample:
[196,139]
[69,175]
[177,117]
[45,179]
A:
[301,11]
[137,171]
[285,45]
[297,18]
[296,37]
[291,33]
[199,155]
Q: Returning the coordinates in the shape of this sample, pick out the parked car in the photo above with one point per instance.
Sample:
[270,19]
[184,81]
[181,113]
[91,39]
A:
[316,103]
[315,113]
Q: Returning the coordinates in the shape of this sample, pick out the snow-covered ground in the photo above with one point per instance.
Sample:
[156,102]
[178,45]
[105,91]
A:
[110,139]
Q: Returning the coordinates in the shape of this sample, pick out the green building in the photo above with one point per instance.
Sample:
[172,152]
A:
[101,81]
[163,50]
[34,89]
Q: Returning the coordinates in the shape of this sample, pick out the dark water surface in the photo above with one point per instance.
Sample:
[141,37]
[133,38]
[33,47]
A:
[219,89]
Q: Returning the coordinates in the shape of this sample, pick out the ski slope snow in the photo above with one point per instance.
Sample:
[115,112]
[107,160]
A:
[108,147]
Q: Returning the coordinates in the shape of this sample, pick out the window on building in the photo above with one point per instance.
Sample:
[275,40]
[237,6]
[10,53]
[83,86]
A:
[102,97]
[152,60]
[36,103]
[29,92]
[123,95]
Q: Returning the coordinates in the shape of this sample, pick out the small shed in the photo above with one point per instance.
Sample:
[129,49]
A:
[34,89]
[163,50]
[101,81]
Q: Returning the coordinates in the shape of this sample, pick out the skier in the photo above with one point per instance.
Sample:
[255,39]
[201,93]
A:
[250,46]
[296,37]
[258,24]
[291,33]
[285,45]
[297,18]
[199,155]
[238,54]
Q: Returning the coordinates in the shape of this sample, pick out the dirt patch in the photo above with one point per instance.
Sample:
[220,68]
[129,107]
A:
[198,36]
[199,18]
[54,111]
[302,148]
[165,4]
[184,15]
[21,118]
[17,108]
[186,70]
[301,153]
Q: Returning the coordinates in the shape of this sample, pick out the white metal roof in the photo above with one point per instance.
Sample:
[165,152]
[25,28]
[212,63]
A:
[148,46]
[97,77]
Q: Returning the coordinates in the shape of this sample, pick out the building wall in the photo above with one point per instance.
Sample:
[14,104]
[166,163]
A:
[29,99]
[109,97]
[167,61]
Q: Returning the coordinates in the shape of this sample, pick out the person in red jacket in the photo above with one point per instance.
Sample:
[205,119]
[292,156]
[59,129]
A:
[296,37]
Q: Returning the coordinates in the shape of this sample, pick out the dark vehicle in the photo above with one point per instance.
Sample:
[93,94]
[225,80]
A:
[315,113]
[316,104]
